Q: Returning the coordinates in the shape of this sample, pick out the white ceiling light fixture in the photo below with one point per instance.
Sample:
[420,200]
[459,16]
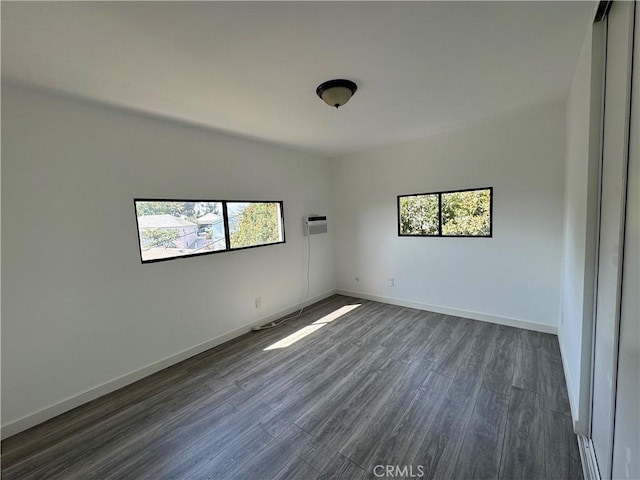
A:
[336,93]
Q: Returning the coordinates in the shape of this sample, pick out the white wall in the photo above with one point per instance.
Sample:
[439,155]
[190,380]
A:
[79,309]
[513,277]
[582,163]
[575,211]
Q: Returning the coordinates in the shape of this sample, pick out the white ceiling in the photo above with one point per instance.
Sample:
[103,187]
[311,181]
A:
[252,68]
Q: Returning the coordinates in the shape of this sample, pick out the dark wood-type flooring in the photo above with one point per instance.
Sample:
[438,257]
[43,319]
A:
[440,396]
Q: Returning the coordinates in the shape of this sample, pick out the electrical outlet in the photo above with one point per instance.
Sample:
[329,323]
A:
[391,282]
[258,302]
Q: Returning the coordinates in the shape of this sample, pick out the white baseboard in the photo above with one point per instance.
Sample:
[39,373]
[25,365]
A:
[74,401]
[510,322]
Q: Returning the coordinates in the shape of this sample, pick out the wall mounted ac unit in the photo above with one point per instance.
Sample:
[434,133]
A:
[314,224]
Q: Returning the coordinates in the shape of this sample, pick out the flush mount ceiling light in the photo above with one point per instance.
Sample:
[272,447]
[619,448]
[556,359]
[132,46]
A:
[336,93]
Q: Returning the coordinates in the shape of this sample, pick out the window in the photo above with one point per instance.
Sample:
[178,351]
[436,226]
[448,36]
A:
[460,213]
[182,228]
[254,223]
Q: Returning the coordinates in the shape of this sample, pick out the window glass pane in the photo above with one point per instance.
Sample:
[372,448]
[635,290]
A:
[168,229]
[254,223]
[467,213]
[419,215]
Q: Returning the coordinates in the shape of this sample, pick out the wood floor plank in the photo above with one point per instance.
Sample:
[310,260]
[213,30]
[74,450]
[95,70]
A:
[481,450]
[248,344]
[364,387]
[356,323]
[269,461]
[301,380]
[380,330]
[248,341]
[498,375]
[552,384]
[400,329]
[317,387]
[296,469]
[549,344]
[340,468]
[321,370]
[440,449]
[215,446]
[523,449]
[539,369]
[149,415]
[417,329]
[220,463]
[265,359]
[231,394]
[401,446]
[561,455]
[528,369]
[151,454]
[275,374]
[354,388]
[244,360]
[343,418]
[372,433]
[481,348]
[436,346]
[457,348]
[363,414]
[43,436]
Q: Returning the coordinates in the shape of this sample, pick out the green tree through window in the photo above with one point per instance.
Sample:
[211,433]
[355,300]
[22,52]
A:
[154,237]
[258,224]
[419,215]
[463,213]
[466,213]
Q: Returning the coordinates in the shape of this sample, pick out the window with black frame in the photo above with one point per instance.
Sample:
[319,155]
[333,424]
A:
[170,229]
[457,213]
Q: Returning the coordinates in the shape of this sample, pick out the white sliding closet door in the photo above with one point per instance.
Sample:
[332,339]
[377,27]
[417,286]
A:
[626,439]
[615,148]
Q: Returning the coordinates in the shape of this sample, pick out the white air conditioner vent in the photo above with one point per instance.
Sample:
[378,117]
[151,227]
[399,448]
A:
[315,224]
